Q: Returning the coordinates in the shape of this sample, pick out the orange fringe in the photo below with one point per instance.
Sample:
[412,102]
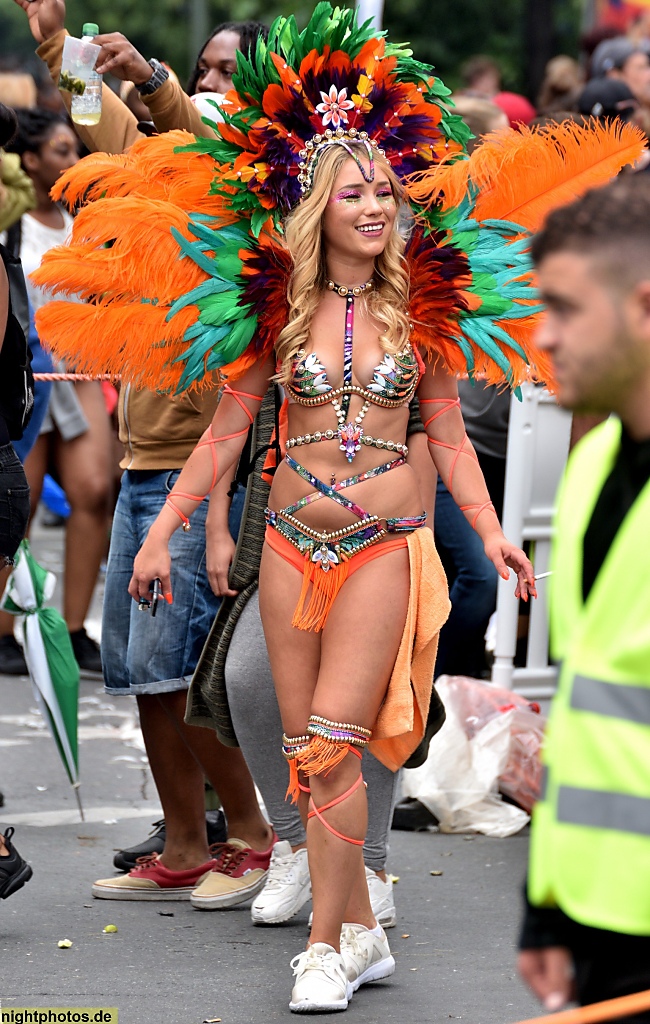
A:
[293,789]
[320,756]
[325,587]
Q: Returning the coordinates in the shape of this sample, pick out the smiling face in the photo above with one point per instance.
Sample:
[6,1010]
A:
[360,215]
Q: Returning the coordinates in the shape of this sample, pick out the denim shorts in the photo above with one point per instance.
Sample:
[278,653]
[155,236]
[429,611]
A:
[142,653]
[14,503]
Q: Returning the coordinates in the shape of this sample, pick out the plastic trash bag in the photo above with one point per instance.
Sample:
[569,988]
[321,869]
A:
[491,740]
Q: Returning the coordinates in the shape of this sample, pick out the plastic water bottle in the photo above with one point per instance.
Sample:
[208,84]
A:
[87,108]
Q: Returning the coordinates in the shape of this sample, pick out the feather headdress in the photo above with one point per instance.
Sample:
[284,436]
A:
[179,247]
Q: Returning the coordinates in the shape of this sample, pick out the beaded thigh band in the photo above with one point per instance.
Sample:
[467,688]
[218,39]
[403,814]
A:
[324,747]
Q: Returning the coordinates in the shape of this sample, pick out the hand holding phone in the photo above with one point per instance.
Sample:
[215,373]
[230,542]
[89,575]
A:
[152,606]
[156,589]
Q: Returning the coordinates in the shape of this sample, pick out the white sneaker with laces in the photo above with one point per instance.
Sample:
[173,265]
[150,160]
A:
[382,899]
[286,889]
[321,984]
[367,957]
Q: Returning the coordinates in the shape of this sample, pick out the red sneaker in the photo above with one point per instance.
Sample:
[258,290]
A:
[151,880]
[238,874]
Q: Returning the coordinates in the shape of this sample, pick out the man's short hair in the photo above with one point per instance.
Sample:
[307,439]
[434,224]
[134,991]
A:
[612,223]
[612,55]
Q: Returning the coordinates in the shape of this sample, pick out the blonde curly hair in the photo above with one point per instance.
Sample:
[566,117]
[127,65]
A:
[387,302]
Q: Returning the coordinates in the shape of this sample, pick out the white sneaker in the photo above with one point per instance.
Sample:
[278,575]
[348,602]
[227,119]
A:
[286,889]
[382,899]
[367,957]
[321,984]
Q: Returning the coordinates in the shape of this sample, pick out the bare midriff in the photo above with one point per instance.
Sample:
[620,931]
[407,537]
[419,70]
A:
[394,494]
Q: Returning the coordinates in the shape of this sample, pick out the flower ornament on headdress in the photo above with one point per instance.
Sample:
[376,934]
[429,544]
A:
[334,106]
[179,251]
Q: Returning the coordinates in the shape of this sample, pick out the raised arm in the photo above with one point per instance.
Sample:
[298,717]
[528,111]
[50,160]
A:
[213,457]
[170,107]
[118,128]
[456,461]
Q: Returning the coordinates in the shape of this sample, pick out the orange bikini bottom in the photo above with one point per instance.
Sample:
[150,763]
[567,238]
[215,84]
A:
[325,585]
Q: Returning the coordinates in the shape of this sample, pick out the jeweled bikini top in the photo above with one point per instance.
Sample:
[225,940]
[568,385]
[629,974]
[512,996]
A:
[393,383]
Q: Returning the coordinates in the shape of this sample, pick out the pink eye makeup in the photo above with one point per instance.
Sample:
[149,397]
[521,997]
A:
[352,196]
[347,196]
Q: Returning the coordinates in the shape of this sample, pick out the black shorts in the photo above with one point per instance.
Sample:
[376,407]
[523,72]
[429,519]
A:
[14,503]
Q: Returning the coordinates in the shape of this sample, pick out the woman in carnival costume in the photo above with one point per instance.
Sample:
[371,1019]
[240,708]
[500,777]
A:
[273,251]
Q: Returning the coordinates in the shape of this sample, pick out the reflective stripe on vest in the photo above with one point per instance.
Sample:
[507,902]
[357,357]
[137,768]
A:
[596,808]
[614,700]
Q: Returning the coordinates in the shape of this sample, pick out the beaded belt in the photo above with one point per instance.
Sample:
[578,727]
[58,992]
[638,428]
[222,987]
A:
[321,547]
[334,435]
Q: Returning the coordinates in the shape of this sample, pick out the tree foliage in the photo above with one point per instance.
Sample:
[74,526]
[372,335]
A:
[441,33]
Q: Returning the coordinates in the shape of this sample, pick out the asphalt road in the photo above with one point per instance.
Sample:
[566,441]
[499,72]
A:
[454,940]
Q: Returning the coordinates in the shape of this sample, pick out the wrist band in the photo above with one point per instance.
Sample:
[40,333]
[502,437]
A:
[187,526]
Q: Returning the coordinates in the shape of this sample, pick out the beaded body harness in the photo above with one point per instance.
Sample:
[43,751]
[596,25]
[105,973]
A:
[326,553]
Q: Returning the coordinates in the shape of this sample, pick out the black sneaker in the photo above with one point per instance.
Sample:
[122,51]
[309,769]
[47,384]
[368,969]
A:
[12,659]
[86,651]
[125,860]
[14,871]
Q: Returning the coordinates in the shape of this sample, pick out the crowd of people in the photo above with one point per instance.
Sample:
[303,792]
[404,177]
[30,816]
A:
[277,632]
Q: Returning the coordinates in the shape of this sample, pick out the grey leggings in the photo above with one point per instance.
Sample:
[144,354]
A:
[256,718]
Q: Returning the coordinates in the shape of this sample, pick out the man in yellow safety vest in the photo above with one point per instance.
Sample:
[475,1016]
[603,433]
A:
[586,932]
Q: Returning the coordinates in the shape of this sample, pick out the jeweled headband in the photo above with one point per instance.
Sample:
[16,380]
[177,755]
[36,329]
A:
[314,148]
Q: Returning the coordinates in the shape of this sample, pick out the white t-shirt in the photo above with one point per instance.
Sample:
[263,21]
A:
[36,240]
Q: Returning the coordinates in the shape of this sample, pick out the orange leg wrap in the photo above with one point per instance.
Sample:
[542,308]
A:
[317,812]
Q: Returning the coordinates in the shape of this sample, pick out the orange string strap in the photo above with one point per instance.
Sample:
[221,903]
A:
[479,509]
[208,439]
[449,404]
[318,811]
[611,1009]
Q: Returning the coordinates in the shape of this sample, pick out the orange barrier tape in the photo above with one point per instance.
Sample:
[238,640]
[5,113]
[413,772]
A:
[74,376]
[611,1009]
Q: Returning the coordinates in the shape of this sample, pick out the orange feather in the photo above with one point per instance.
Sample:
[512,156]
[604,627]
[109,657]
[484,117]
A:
[153,343]
[142,262]
[523,175]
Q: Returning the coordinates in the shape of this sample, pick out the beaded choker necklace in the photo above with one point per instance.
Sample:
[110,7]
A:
[349,293]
